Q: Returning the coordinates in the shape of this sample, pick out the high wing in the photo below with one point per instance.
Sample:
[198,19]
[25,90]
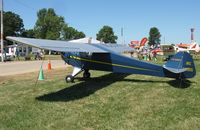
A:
[64,46]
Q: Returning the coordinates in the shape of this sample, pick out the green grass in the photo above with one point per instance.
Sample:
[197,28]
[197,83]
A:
[32,57]
[52,57]
[107,101]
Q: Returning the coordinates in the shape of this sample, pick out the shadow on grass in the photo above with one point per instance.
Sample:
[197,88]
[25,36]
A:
[83,89]
[86,88]
[180,83]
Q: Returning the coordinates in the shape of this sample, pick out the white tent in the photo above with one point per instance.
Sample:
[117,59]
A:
[86,40]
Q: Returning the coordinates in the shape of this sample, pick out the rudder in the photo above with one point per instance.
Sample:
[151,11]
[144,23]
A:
[181,65]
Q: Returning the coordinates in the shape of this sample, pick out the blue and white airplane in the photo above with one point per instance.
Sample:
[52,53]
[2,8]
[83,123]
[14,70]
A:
[108,57]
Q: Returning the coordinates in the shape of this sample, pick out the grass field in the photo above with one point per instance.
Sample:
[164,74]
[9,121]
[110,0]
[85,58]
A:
[32,57]
[107,101]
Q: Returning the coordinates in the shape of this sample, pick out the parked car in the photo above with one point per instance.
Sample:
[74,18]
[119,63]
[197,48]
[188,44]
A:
[6,56]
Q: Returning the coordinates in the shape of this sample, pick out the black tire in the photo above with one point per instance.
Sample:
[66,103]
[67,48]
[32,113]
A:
[86,75]
[69,79]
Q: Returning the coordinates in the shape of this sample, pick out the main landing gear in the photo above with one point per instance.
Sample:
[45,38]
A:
[76,71]
[69,78]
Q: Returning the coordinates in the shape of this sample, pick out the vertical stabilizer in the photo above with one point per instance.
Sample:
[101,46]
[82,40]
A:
[181,64]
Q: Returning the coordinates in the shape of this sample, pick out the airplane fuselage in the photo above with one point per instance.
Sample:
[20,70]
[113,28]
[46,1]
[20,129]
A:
[117,63]
[107,57]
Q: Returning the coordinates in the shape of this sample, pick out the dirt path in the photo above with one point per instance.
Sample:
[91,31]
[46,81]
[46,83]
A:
[11,68]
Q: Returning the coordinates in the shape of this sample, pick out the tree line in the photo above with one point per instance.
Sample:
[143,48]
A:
[51,26]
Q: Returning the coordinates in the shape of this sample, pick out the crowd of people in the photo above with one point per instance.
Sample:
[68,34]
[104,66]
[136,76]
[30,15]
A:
[146,53]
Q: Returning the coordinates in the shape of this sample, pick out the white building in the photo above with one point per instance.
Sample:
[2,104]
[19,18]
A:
[86,40]
[21,50]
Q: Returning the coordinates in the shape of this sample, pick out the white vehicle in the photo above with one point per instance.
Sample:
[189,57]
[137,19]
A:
[6,56]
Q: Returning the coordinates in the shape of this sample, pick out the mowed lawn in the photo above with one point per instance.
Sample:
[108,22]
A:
[107,102]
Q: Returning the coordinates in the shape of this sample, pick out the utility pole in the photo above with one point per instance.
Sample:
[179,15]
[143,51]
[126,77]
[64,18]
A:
[164,39]
[2,51]
[122,35]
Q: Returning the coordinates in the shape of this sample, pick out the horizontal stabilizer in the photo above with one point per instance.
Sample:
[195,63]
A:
[175,70]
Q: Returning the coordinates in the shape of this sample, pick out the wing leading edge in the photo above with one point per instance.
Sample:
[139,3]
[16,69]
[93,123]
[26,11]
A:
[64,46]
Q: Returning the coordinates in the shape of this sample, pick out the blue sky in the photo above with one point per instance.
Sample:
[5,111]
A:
[173,18]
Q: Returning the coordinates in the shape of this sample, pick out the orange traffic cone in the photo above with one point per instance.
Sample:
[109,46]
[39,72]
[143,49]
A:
[49,65]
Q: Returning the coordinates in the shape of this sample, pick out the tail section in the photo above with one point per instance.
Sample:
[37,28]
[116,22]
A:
[181,66]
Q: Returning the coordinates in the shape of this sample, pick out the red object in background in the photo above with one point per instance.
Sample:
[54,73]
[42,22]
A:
[183,45]
[138,44]
[194,46]
[155,51]
[135,42]
[143,41]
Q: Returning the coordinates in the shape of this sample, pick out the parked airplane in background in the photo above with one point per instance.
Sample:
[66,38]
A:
[188,47]
[107,57]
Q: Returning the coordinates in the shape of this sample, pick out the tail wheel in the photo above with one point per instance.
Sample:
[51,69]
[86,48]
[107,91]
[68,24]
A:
[69,79]
[86,75]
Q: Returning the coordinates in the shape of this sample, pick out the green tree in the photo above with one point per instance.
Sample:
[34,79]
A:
[69,33]
[13,24]
[79,35]
[48,24]
[154,37]
[106,35]
[28,33]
